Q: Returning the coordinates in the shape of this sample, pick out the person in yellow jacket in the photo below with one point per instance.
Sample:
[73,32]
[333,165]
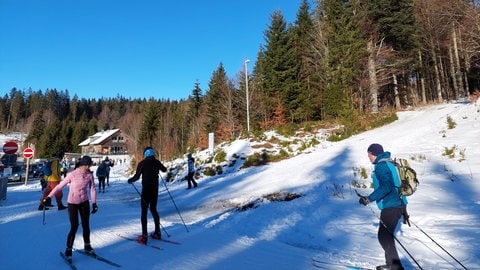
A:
[53,174]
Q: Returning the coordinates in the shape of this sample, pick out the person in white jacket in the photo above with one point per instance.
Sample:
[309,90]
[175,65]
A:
[80,180]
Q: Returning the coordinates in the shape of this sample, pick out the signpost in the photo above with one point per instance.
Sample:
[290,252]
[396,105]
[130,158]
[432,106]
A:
[10,148]
[28,154]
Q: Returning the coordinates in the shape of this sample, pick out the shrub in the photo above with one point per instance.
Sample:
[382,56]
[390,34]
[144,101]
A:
[220,157]
[218,169]
[256,159]
[208,171]
[281,156]
[287,130]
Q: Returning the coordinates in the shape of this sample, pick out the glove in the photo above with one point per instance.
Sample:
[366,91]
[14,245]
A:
[130,181]
[47,201]
[94,208]
[363,200]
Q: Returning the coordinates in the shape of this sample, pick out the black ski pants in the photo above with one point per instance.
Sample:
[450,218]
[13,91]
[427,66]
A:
[388,222]
[101,183]
[191,180]
[149,201]
[74,210]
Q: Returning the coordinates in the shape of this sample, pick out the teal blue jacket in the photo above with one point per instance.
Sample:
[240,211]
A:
[384,176]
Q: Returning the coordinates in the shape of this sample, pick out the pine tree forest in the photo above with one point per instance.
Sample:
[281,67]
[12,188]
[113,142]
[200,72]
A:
[338,61]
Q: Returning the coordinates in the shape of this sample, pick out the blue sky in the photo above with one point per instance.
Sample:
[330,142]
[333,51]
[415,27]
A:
[135,49]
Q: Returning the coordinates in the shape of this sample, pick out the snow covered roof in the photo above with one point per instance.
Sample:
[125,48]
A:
[99,137]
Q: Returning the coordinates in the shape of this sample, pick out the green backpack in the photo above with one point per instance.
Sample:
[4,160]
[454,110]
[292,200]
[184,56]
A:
[407,175]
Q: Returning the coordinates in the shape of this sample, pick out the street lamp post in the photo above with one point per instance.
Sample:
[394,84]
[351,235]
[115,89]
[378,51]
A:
[246,90]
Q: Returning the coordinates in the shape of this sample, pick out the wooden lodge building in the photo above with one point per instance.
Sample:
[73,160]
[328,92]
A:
[107,142]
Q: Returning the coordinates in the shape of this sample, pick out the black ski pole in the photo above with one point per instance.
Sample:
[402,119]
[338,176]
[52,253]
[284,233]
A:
[439,246]
[394,237]
[171,197]
[163,228]
[44,206]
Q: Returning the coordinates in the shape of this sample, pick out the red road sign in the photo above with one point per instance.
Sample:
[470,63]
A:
[10,147]
[28,152]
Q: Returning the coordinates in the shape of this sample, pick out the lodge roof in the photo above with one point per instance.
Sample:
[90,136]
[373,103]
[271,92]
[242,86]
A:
[99,137]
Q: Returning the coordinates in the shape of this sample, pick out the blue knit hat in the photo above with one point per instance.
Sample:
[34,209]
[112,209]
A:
[375,149]
[148,152]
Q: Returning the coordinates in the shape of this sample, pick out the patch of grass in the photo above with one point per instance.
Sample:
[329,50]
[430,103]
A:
[419,157]
[363,173]
[451,123]
[449,152]
[361,123]
[358,184]
[336,189]
[462,155]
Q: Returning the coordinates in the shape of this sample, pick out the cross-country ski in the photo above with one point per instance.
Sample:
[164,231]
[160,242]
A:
[68,261]
[135,240]
[336,266]
[166,241]
[98,257]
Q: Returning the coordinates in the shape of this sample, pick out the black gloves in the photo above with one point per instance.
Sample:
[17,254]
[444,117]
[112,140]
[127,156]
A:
[130,181]
[363,200]
[94,208]
[47,201]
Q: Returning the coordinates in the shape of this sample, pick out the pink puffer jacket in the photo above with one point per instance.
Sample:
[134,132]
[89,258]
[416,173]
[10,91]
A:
[79,182]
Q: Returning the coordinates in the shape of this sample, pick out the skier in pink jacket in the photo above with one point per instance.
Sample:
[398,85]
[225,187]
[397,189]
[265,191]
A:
[80,179]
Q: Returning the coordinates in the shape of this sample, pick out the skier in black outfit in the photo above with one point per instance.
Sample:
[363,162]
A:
[149,168]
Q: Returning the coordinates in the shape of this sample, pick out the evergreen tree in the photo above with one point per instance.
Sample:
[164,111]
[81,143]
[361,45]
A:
[3,112]
[307,78]
[195,104]
[398,29]
[49,143]
[34,102]
[79,134]
[396,23]
[37,129]
[218,101]
[64,138]
[196,99]
[345,56]
[17,108]
[261,113]
[278,68]
[150,124]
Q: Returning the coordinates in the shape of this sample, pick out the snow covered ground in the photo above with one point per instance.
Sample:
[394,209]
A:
[326,222]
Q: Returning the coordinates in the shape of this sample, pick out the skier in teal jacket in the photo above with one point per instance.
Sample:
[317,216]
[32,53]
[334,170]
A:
[392,205]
